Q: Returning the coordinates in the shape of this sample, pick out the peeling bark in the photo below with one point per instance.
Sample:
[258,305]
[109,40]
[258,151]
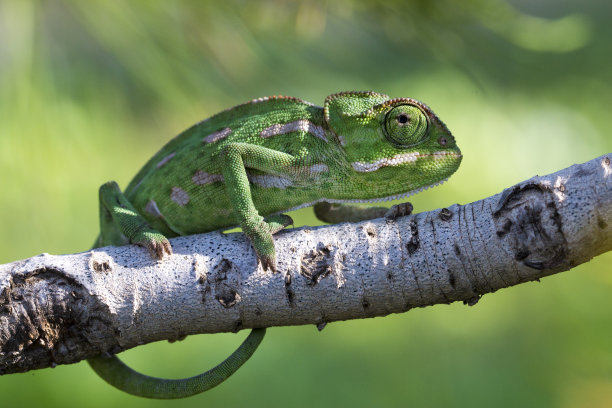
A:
[62,309]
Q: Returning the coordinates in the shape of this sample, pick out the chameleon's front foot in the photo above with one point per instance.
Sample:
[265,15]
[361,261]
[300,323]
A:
[261,238]
[157,244]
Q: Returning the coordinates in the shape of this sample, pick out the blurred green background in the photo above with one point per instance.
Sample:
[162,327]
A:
[90,90]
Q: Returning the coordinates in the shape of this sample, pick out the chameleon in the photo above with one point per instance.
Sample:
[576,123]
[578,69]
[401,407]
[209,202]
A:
[248,164]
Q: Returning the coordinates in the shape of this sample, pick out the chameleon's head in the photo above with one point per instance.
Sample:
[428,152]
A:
[397,146]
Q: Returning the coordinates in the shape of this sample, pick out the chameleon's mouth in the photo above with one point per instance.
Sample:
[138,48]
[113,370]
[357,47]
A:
[411,157]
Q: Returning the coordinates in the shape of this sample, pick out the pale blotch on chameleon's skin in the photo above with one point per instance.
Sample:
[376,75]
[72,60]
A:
[267,181]
[302,125]
[179,196]
[397,160]
[152,209]
[218,135]
[165,159]
[341,139]
[262,180]
[201,177]
[318,168]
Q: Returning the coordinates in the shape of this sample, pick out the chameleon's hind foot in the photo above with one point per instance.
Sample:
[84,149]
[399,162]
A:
[120,223]
[157,244]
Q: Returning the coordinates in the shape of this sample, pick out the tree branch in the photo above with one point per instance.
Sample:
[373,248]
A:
[65,308]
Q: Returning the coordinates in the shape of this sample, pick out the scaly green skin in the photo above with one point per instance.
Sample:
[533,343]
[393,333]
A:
[261,158]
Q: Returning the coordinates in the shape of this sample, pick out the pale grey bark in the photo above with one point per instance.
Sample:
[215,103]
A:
[61,309]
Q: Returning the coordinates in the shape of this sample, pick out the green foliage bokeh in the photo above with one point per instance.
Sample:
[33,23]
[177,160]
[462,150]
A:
[90,90]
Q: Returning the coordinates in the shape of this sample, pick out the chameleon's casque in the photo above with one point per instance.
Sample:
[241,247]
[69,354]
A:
[257,160]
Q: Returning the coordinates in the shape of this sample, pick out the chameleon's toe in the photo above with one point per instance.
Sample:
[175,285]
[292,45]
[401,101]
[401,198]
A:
[399,210]
[278,222]
[267,262]
[156,243]
[266,254]
[263,243]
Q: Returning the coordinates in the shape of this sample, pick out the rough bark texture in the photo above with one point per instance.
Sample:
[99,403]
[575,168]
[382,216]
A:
[62,309]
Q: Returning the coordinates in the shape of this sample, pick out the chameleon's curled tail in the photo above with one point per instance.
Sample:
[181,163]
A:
[117,374]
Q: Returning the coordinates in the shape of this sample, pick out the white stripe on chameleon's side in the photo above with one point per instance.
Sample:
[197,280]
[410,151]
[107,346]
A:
[298,125]
[318,168]
[165,159]
[179,196]
[201,177]
[267,181]
[218,135]
[138,184]
[364,167]
[262,180]
[152,209]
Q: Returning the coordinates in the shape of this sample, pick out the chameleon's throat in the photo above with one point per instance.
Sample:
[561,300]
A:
[369,200]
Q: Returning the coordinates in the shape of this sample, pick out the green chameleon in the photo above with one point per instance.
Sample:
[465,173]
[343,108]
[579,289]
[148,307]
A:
[257,160]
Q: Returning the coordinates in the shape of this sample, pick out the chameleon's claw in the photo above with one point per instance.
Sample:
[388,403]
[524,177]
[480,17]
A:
[156,243]
[263,243]
[264,247]
[399,210]
[268,263]
[166,248]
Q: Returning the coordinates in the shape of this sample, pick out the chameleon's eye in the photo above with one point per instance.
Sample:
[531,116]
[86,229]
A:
[405,125]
